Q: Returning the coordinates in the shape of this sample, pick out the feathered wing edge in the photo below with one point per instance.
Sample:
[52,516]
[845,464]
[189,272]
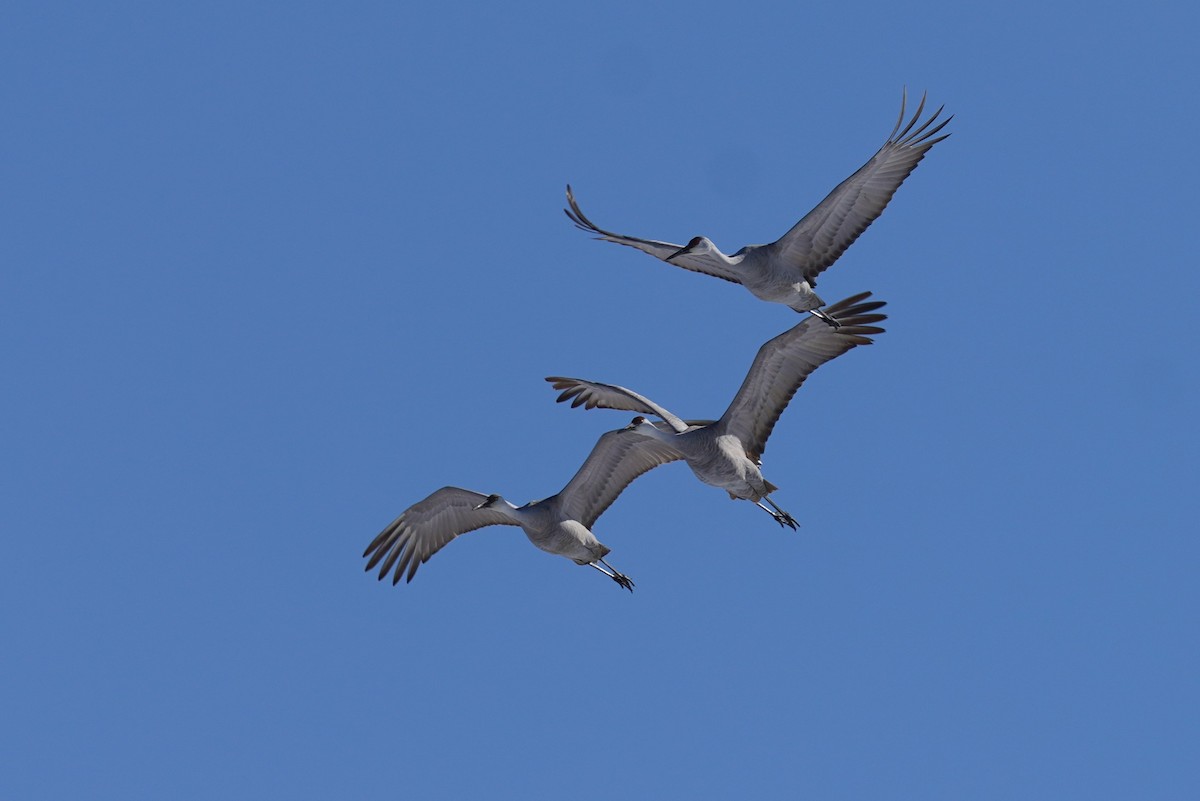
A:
[823,235]
[652,246]
[782,364]
[617,459]
[593,394]
[426,527]
[707,265]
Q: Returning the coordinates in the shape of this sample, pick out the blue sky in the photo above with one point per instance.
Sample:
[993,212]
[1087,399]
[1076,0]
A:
[271,274]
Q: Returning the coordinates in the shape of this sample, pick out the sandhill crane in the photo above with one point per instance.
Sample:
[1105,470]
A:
[786,270]
[727,453]
[560,524]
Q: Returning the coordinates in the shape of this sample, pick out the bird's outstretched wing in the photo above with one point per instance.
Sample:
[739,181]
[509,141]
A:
[619,457]
[784,362]
[425,527]
[824,233]
[696,262]
[591,394]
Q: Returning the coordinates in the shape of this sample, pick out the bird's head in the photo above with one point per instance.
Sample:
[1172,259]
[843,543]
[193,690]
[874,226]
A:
[490,502]
[698,246]
[638,423]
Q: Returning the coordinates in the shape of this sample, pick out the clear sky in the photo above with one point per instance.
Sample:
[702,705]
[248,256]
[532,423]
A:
[272,272]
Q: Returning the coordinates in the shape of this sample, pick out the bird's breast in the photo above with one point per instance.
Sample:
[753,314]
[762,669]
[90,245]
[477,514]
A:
[724,464]
[568,538]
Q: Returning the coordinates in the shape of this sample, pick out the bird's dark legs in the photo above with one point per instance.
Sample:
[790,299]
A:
[820,315]
[612,573]
[781,517]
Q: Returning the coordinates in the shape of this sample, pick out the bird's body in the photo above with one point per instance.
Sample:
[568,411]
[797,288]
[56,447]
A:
[719,461]
[559,525]
[552,531]
[727,453]
[785,271]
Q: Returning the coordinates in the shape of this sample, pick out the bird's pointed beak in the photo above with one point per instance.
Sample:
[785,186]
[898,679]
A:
[682,251]
[690,247]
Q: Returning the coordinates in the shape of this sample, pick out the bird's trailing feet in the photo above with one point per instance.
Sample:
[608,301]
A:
[827,319]
[784,519]
[613,574]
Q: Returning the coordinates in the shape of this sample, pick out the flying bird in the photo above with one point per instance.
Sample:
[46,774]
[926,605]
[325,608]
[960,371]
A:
[727,453]
[786,270]
[560,524]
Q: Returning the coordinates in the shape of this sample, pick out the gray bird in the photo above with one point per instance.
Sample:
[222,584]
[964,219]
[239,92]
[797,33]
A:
[727,453]
[786,270]
[560,524]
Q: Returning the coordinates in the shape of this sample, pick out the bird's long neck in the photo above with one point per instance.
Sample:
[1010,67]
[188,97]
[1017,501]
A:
[731,260]
[709,248]
[509,510]
[536,515]
[654,432]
